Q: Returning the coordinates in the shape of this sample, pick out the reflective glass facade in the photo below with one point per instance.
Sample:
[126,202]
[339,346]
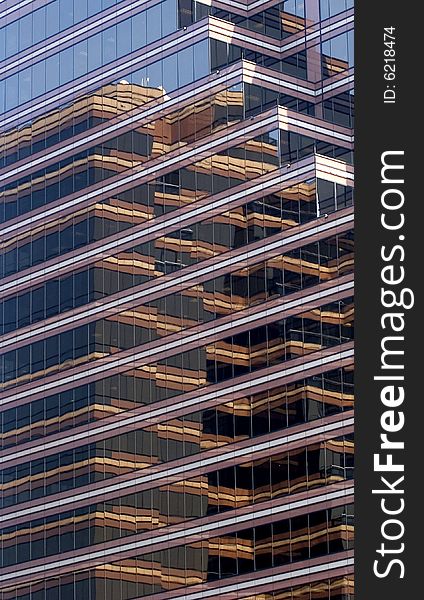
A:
[176,300]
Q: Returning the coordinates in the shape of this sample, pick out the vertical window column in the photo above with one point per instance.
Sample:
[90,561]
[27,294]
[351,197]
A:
[313,54]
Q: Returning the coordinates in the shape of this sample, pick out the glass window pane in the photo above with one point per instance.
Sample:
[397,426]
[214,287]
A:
[52,18]
[124,38]
[153,23]
[169,17]
[185,66]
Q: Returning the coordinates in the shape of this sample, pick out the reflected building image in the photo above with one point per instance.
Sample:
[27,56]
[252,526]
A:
[176,336]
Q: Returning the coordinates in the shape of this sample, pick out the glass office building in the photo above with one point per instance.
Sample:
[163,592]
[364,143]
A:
[176,231]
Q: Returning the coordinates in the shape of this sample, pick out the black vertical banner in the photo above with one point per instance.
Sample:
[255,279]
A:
[389,300]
